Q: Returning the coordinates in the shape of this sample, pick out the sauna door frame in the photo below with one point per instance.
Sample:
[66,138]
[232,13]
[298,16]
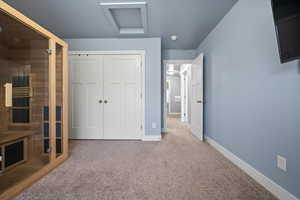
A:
[54,161]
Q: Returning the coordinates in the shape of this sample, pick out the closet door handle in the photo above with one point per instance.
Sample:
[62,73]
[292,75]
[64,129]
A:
[100,101]
[105,101]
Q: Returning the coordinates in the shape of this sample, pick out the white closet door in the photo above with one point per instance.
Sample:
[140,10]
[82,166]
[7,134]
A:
[122,90]
[197,97]
[86,91]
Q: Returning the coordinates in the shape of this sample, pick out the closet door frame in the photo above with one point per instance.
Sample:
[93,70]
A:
[141,53]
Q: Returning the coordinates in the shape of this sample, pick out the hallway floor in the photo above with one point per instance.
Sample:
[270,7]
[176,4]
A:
[180,167]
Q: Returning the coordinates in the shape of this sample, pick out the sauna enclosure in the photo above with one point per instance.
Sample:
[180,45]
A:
[33,101]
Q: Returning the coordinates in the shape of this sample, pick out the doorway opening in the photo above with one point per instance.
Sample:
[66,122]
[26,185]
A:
[177,93]
[183,95]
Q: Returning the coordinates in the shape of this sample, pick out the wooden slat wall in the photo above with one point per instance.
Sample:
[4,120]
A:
[35,63]
[5,72]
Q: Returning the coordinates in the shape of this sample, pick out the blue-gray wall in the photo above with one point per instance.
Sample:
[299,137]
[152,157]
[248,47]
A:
[252,101]
[179,54]
[152,46]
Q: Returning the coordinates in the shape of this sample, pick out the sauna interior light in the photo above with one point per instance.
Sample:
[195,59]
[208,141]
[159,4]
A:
[8,94]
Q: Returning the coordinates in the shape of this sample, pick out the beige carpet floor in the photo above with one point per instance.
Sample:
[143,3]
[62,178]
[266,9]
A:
[178,168]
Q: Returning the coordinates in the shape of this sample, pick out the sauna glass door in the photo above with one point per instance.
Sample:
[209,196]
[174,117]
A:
[24,102]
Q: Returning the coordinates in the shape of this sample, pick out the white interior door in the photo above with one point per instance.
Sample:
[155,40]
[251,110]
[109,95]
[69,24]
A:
[197,97]
[122,97]
[86,91]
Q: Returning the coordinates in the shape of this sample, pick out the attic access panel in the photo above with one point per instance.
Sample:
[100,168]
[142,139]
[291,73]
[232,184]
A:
[127,18]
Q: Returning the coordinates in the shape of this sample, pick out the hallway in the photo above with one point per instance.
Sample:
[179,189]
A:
[180,167]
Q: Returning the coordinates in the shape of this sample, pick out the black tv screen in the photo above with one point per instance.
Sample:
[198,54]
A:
[287,22]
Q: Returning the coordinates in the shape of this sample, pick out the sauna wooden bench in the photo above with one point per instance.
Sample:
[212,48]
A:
[10,136]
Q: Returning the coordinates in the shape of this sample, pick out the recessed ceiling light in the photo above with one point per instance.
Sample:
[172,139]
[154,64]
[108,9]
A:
[174,37]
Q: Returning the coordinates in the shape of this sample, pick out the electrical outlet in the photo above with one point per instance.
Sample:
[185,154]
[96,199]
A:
[281,163]
[154,125]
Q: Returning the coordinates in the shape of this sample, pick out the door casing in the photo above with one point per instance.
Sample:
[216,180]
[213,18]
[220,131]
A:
[141,53]
[184,96]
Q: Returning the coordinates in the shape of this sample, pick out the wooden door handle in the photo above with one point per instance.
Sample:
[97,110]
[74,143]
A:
[8,94]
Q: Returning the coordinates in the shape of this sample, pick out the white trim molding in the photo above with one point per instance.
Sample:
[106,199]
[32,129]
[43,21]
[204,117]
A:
[120,52]
[195,135]
[164,130]
[266,182]
[166,61]
[151,138]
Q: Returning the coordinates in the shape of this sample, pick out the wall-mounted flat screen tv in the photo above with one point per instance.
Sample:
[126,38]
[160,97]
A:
[287,22]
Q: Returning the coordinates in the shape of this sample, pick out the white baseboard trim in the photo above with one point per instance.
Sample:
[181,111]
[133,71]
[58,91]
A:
[174,113]
[197,136]
[151,138]
[270,185]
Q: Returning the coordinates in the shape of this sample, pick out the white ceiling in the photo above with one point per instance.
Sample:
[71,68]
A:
[190,20]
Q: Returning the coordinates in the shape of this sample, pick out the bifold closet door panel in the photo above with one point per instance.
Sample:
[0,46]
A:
[122,90]
[86,93]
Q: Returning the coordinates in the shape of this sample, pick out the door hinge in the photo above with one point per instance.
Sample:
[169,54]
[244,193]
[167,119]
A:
[141,127]
[141,96]
[49,51]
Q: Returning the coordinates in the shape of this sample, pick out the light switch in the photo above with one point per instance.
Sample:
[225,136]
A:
[281,163]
